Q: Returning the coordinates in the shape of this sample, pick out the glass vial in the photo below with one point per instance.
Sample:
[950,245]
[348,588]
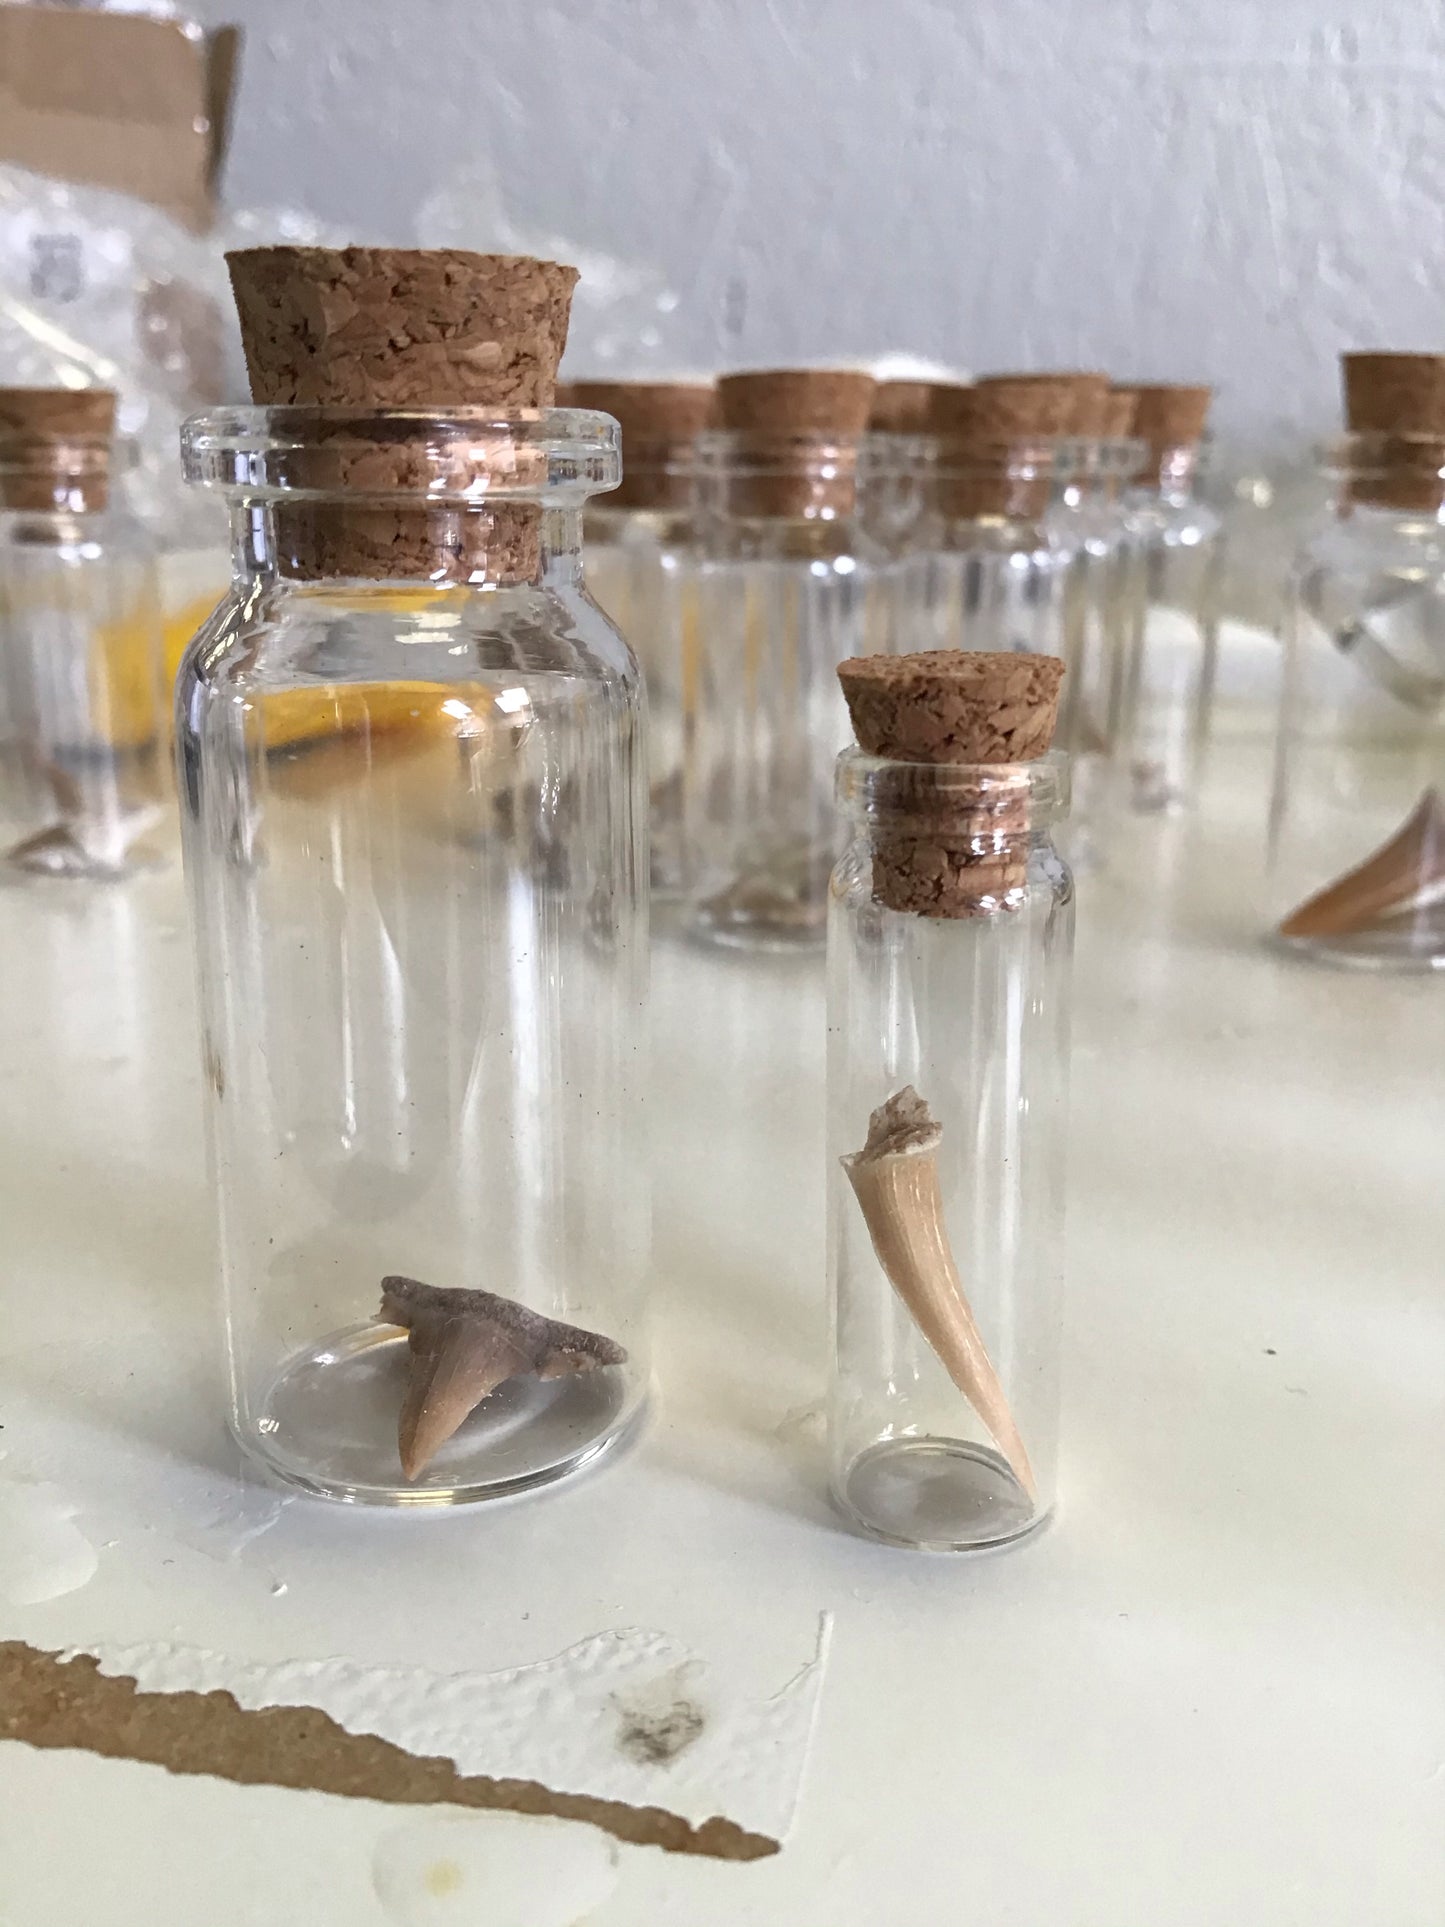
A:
[949,953]
[1357,825]
[1176,561]
[414,815]
[788,587]
[84,780]
[985,569]
[1089,519]
[639,568]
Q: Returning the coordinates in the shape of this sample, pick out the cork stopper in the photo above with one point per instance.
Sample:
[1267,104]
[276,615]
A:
[660,421]
[781,420]
[402,328]
[1080,392]
[1116,414]
[1168,417]
[959,850]
[55,446]
[1398,401]
[982,427]
[900,408]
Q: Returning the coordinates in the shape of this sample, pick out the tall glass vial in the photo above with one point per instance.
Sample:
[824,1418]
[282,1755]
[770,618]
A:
[639,568]
[949,954]
[83,767]
[1357,824]
[414,816]
[788,586]
[1176,572]
[1090,520]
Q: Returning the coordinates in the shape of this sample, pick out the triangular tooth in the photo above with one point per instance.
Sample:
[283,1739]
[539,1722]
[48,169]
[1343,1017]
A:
[895,1179]
[1385,885]
[455,1362]
[463,1345]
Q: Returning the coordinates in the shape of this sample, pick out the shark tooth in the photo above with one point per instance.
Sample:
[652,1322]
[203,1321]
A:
[1404,874]
[895,1180]
[463,1345]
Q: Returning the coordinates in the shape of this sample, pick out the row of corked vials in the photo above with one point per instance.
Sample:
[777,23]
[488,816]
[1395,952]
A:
[775,523]
[765,527]
[411,758]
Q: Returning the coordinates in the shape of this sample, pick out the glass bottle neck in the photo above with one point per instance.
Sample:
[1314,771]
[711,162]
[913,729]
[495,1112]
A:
[951,839]
[506,545]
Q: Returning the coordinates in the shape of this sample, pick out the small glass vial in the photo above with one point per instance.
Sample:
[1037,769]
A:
[639,568]
[1176,564]
[414,814]
[1089,518]
[893,465]
[949,953]
[1357,825]
[788,587]
[985,568]
[83,754]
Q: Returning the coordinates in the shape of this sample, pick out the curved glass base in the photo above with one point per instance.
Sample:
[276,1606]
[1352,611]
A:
[935,1495]
[328,1424]
[753,934]
[1369,950]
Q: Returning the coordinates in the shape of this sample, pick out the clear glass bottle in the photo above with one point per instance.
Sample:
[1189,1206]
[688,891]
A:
[788,586]
[639,568]
[84,781]
[414,811]
[1357,824]
[1176,564]
[947,1101]
[1090,521]
[987,567]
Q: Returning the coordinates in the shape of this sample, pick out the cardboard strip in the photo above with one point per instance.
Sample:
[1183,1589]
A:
[48,1700]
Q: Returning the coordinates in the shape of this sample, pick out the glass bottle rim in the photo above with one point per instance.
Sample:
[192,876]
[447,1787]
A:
[871,788]
[1365,453]
[758,452]
[465,455]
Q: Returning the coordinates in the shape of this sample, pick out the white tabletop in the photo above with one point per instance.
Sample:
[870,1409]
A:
[1213,1691]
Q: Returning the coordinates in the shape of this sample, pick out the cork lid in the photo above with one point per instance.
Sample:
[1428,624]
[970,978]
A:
[953,705]
[55,448]
[1079,393]
[651,413]
[397,328]
[401,327]
[900,408]
[1166,414]
[1002,409]
[57,415]
[796,401]
[1394,394]
[1117,413]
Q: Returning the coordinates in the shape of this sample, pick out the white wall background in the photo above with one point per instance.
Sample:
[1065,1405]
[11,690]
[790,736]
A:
[1231,192]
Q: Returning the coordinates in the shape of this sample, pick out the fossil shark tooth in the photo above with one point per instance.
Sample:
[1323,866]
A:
[1402,875]
[895,1179]
[463,1345]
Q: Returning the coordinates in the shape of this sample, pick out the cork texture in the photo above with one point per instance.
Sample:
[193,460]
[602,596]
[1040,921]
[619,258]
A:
[783,422]
[900,408]
[796,401]
[55,446]
[660,422]
[402,328]
[1116,414]
[981,427]
[954,854]
[1082,393]
[1398,402]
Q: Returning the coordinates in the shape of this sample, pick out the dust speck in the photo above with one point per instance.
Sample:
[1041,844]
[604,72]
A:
[653,1736]
[443,1877]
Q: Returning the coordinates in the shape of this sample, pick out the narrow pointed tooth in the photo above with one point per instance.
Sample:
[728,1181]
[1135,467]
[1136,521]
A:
[895,1180]
[1403,874]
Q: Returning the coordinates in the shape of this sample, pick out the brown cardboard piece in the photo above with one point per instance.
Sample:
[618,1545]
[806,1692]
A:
[119,101]
[48,1700]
